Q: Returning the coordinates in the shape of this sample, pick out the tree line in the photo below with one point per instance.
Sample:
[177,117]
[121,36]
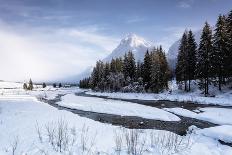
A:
[210,61]
[30,86]
[206,63]
[127,75]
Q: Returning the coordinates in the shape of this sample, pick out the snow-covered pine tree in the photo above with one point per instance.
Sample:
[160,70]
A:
[182,62]
[147,70]
[219,54]
[203,58]
[191,58]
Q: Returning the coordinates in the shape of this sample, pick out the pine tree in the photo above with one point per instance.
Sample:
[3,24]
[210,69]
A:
[24,86]
[125,66]
[54,85]
[165,71]
[97,75]
[139,70]
[113,68]
[106,70]
[147,70]
[203,57]
[155,72]
[119,64]
[229,45]
[191,57]
[219,54]
[129,66]
[182,64]
[60,85]
[30,85]
[44,85]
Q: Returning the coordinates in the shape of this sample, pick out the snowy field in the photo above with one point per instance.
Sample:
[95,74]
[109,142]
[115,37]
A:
[28,126]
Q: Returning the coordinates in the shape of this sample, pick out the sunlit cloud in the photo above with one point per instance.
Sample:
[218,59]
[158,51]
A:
[48,54]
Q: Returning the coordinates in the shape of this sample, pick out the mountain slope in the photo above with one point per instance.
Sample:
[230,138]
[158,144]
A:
[133,43]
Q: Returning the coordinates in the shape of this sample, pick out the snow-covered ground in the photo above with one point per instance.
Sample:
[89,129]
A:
[221,98]
[220,116]
[115,107]
[25,122]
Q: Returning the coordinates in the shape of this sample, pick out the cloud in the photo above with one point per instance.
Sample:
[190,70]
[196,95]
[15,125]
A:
[49,54]
[173,34]
[185,3]
[135,19]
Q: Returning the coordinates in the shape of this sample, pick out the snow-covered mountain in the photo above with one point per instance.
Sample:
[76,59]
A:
[173,50]
[131,42]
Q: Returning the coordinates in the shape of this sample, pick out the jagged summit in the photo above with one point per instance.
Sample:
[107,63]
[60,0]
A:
[131,42]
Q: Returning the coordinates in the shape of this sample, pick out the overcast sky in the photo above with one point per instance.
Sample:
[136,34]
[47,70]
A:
[53,39]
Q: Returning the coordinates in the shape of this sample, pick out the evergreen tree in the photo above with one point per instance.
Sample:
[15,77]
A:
[191,57]
[44,85]
[147,70]
[30,85]
[159,70]
[182,64]
[139,70]
[97,75]
[129,66]
[220,52]
[165,71]
[106,70]
[229,45]
[203,57]
[24,86]
[60,85]
[54,85]
[119,64]
[113,68]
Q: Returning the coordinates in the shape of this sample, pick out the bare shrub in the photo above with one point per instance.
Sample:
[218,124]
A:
[169,143]
[135,143]
[86,143]
[118,140]
[50,130]
[38,130]
[62,138]
[57,134]
[14,145]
